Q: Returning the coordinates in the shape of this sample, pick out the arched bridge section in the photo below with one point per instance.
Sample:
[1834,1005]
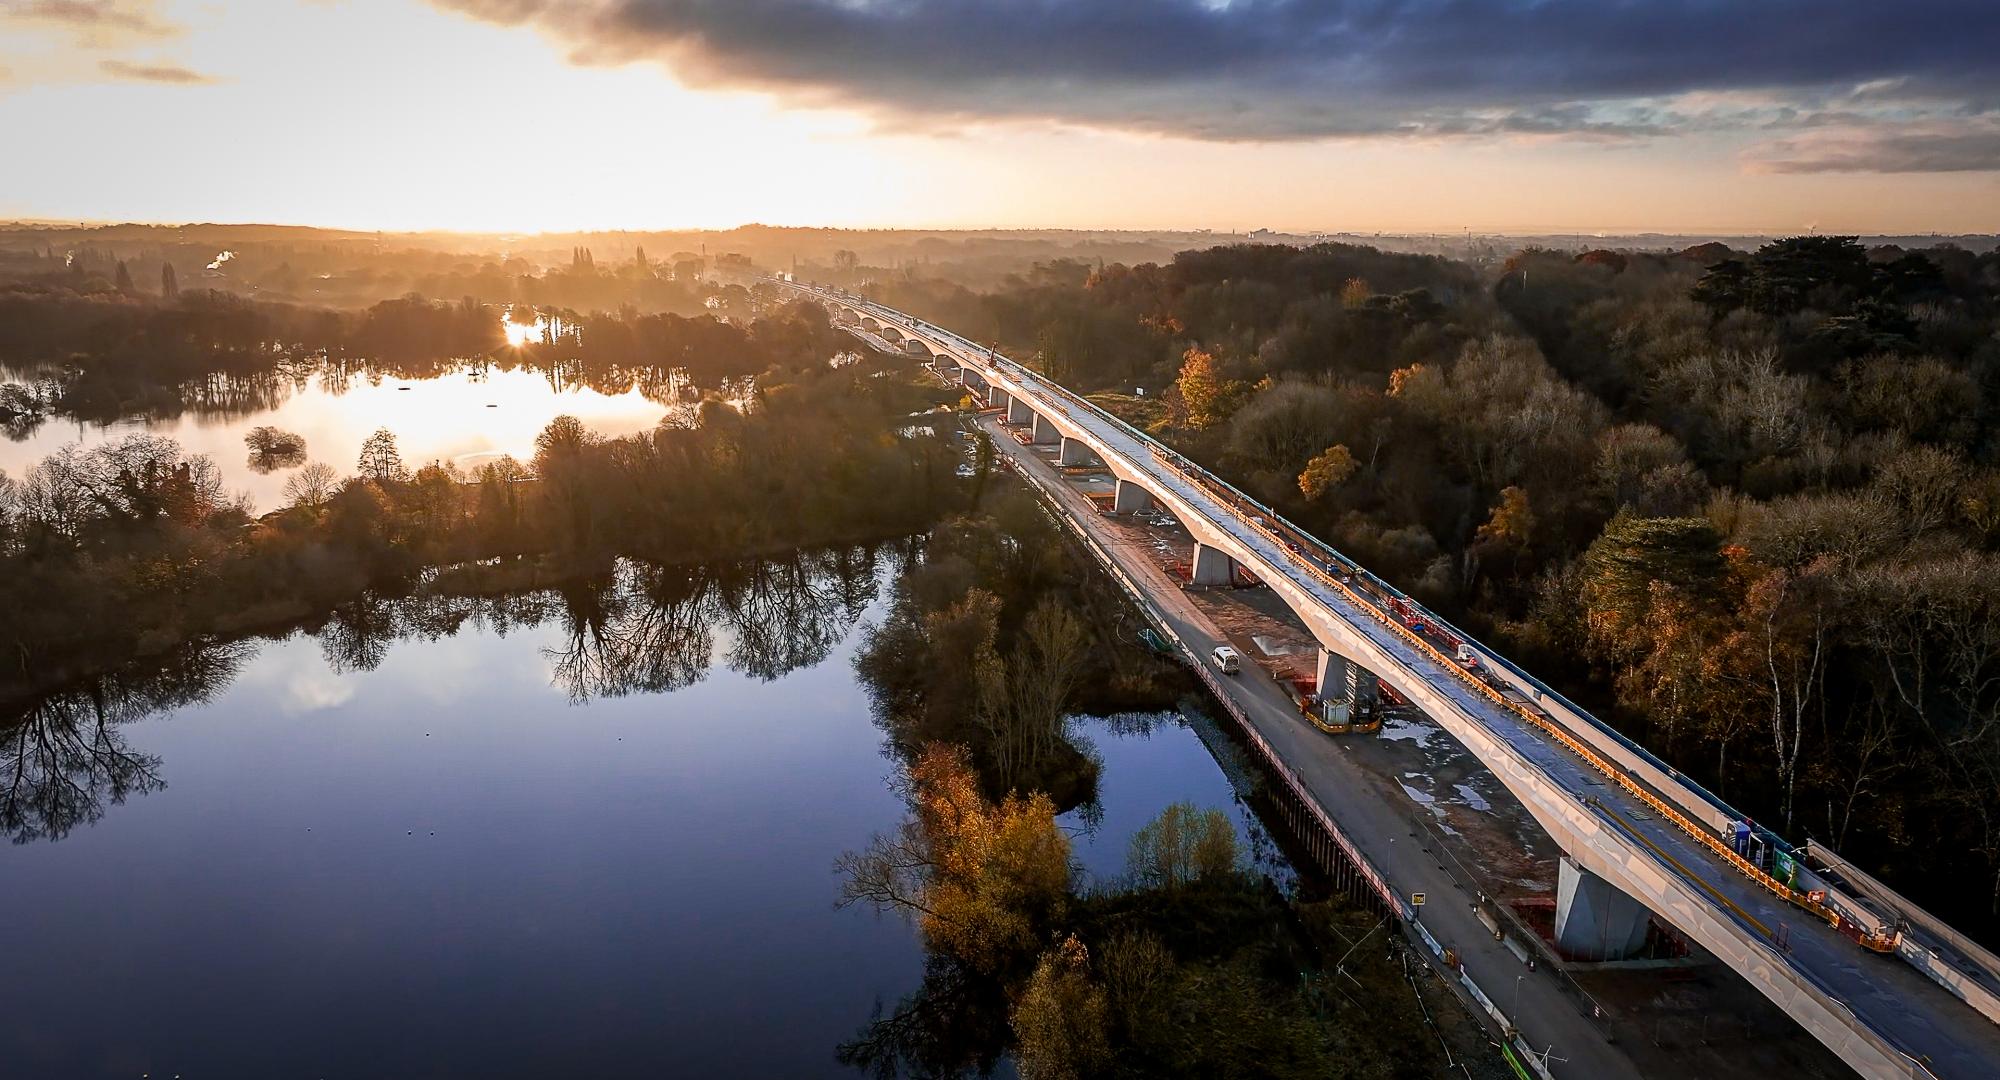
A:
[1629,826]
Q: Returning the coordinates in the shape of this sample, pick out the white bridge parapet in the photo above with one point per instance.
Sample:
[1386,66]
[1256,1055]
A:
[1645,832]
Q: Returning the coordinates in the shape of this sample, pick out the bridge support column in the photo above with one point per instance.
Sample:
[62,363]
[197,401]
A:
[1018,411]
[1073,452]
[1045,432]
[1343,684]
[1129,497]
[997,398]
[1212,566]
[1594,921]
[1336,700]
[1331,681]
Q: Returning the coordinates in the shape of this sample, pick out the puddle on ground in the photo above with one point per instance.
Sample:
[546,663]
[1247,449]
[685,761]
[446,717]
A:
[1272,646]
[1400,729]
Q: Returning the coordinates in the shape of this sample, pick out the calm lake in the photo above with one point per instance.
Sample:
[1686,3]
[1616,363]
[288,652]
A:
[587,832]
[466,417]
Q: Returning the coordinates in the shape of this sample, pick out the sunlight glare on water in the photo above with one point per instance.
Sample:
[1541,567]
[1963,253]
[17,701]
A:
[465,417]
[519,334]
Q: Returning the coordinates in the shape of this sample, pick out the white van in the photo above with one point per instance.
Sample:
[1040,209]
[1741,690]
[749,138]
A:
[1226,660]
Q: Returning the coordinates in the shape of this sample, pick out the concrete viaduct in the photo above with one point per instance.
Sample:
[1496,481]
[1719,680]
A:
[1637,837]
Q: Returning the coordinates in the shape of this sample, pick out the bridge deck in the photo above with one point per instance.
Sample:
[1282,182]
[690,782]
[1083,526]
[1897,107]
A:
[1889,996]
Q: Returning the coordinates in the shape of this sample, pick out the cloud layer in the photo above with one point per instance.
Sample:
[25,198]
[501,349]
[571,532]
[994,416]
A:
[1304,69]
[93,21]
[172,74]
[1968,146]
[44,42]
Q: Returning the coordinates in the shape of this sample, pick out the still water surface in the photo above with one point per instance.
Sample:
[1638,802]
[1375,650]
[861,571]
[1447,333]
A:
[445,864]
[465,417]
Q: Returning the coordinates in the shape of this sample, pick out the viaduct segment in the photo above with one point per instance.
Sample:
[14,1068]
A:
[1638,839]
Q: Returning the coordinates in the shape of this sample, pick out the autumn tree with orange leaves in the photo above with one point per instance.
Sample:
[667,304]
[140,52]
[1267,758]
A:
[985,881]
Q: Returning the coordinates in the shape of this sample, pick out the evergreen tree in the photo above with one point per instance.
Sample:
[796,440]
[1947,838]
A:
[124,278]
[169,288]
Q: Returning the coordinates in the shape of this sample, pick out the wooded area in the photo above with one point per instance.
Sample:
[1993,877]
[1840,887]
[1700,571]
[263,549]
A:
[1746,504]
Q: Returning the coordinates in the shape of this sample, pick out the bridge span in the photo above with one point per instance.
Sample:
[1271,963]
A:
[1637,836]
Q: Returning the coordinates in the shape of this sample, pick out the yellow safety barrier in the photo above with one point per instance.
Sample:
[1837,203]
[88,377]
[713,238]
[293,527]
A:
[1685,872]
[1367,727]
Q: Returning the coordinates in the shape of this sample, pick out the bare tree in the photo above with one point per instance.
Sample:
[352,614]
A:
[1788,623]
[312,486]
[1046,668]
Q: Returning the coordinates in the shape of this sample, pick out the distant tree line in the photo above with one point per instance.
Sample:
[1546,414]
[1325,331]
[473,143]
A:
[342,276]
[108,356]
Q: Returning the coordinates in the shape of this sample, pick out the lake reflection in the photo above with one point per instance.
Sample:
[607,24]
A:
[397,845]
[466,416]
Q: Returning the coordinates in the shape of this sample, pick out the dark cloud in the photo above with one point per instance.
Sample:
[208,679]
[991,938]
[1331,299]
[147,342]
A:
[158,73]
[1286,69]
[1970,148]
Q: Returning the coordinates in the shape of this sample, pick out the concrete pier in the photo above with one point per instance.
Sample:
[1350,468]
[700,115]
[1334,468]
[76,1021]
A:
[1045,432]
[1331,676]
[1594,921]
[1130,497]
[1212,566]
